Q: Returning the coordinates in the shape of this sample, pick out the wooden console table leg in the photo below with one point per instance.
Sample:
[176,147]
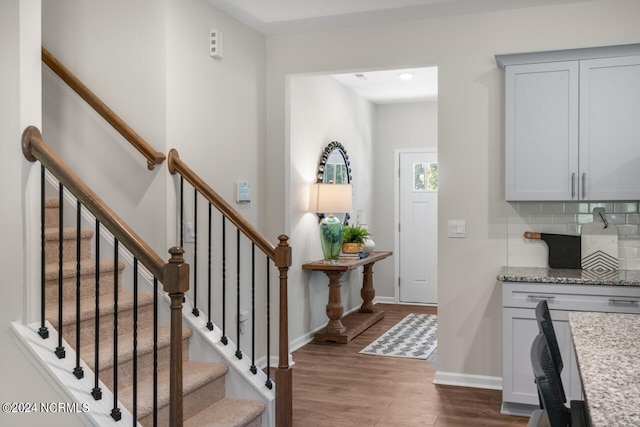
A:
[367,292]
[334,307]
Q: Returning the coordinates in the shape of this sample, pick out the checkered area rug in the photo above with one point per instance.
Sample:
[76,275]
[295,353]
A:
[414,337]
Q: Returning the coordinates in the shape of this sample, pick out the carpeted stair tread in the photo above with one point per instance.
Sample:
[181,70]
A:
[194,376]
[87,306]
[125,346]
[227,413]
[51,203]
[68,233]
[87,267]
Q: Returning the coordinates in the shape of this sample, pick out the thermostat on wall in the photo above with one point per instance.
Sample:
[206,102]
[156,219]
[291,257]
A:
[243,192]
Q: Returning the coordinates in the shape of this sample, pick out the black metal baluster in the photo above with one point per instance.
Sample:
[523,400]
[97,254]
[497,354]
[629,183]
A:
[253,309]
[269,383]
[155,351]
[115,412]
[182,225]
[135,341]
[43,331]
[209,323]
[181,211]
[195,310]
[97,391]
[224,339]
[238,351]
[60,349]
[78,371]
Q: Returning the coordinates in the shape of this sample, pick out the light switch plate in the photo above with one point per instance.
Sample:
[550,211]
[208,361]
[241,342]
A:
[457,228]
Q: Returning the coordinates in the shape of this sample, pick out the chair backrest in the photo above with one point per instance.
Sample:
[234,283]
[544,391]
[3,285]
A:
[548,383]
[545,326]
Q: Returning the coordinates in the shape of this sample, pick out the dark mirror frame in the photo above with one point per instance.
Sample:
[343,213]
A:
[333,146]
[326,153]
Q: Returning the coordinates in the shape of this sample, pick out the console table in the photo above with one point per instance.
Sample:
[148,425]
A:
[339,329]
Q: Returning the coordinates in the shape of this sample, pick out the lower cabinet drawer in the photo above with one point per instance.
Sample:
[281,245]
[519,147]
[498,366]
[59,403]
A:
[613,299]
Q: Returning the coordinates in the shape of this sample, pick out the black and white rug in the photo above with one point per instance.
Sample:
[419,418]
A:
[415,337]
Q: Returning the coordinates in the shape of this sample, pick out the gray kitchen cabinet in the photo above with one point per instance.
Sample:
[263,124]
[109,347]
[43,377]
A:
[541,131]
[610,128]
[571,127]
[519,328]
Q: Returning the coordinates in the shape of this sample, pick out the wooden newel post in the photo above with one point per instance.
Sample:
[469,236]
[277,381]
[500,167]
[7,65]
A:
[176,283]
[284,378]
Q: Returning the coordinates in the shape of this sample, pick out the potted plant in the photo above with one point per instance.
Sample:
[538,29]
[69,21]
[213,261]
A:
[353,238]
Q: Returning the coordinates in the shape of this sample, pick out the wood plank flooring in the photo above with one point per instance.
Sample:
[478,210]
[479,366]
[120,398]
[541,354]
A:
[334,385]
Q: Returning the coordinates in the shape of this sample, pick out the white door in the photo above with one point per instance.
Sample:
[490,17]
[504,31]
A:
[418,238]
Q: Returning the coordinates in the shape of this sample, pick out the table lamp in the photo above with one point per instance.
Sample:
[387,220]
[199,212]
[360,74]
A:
[330,198]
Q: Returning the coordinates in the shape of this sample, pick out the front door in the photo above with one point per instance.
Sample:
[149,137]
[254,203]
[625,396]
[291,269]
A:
[418,232]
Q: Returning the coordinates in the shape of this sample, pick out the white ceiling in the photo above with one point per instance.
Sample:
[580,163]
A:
[386,87]
[289,16]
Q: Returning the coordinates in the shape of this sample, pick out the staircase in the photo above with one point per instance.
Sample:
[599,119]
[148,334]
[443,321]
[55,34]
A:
[205,403]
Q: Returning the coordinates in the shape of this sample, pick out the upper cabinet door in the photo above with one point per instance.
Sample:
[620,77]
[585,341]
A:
[610,128]
[541,125]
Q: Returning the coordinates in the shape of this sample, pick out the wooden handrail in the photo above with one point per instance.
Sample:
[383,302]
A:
[153,157]
[34,148]
[178,166]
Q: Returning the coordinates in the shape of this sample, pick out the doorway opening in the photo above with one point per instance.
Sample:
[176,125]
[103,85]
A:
[372,113]
[417,239]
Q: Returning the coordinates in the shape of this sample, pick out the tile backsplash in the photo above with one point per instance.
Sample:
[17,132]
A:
[562,218]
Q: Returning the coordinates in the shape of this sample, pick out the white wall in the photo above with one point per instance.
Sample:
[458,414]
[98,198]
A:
[323,110]
[398,126]
[470,134]
[215,107]
[19,106]
[216,122]
[149,62]
[117,49]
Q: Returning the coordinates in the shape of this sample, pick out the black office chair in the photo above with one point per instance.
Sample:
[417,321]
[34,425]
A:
[545,326]
[548,384]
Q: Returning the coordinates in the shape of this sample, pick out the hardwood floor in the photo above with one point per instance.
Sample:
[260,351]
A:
[334,385]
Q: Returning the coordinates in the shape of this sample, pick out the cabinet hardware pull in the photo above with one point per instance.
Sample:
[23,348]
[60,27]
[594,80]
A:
[623,301]
[541,297]
[584,185]
[573,185]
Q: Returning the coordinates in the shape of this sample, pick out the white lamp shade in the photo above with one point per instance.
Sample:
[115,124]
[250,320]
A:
[330,198]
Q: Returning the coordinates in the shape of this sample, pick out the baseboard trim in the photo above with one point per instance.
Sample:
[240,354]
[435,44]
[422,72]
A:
[384,300]
[518,409]
[468,380]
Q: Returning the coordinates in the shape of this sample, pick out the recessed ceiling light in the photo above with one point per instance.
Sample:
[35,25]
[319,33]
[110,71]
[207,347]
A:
[405,76]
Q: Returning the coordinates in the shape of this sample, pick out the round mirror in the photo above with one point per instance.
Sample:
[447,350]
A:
[334,165]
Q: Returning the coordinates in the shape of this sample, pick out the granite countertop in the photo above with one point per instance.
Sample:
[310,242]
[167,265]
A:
[569,276]
[608,353]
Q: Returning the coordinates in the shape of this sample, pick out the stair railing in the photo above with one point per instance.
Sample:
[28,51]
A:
[174,275]
[153,157]
[279,255]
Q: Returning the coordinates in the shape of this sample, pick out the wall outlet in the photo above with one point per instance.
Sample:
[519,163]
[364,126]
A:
[189,233]
[572,228]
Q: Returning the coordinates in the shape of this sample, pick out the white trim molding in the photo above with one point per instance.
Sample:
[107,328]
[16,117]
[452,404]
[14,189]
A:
[468,380]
